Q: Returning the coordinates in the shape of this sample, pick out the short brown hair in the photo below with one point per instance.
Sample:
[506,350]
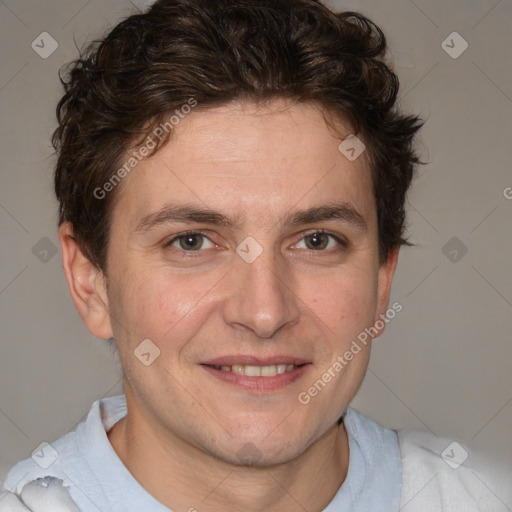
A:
[210,52]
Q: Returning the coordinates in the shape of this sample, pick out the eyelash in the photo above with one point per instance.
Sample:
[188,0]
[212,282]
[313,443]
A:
[341,241]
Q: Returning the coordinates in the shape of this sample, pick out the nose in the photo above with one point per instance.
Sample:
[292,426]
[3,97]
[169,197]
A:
[260,297]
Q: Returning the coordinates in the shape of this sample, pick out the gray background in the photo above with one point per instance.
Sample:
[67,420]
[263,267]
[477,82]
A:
[444,362]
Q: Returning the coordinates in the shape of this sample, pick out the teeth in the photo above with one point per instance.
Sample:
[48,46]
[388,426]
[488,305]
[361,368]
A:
[268,371]
[281,368]
[253,371]
[257,371]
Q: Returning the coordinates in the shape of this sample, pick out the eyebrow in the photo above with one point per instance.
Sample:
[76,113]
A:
[183,213]
[345,212]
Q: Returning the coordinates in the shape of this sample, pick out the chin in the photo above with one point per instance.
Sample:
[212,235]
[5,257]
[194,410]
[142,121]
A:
[249,455]
[264,452]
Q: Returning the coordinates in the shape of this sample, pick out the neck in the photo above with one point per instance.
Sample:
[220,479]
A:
[184,477]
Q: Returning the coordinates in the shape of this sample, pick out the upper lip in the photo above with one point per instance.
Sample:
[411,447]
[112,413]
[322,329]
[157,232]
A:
[245,360]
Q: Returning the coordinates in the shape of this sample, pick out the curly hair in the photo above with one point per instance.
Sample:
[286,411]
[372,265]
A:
[151,64]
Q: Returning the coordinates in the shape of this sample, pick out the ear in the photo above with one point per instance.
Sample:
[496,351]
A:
[87,285]
[385,278]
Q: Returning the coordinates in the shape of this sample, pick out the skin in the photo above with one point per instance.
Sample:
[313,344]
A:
[182,437]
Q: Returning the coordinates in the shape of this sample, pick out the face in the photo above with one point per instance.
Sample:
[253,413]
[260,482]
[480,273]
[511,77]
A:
[246,250]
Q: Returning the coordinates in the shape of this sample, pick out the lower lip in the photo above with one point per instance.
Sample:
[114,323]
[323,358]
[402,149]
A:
[259,384]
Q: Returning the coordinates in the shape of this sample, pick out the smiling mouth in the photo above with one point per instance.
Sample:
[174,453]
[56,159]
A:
[256,371]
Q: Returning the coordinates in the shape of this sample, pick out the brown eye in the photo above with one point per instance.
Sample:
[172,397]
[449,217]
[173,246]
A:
[320,241]
[317,241]
[191,242]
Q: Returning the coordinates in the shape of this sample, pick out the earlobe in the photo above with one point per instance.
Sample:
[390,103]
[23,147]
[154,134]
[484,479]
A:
[385,279]
[87,285]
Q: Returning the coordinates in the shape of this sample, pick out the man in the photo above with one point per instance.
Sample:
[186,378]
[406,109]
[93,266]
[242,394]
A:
[231,179]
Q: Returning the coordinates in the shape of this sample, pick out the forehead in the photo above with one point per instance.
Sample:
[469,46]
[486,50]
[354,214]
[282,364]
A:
[246,159]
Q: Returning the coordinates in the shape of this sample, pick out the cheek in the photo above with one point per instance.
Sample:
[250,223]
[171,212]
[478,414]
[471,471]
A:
[346,303]
[158,306]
